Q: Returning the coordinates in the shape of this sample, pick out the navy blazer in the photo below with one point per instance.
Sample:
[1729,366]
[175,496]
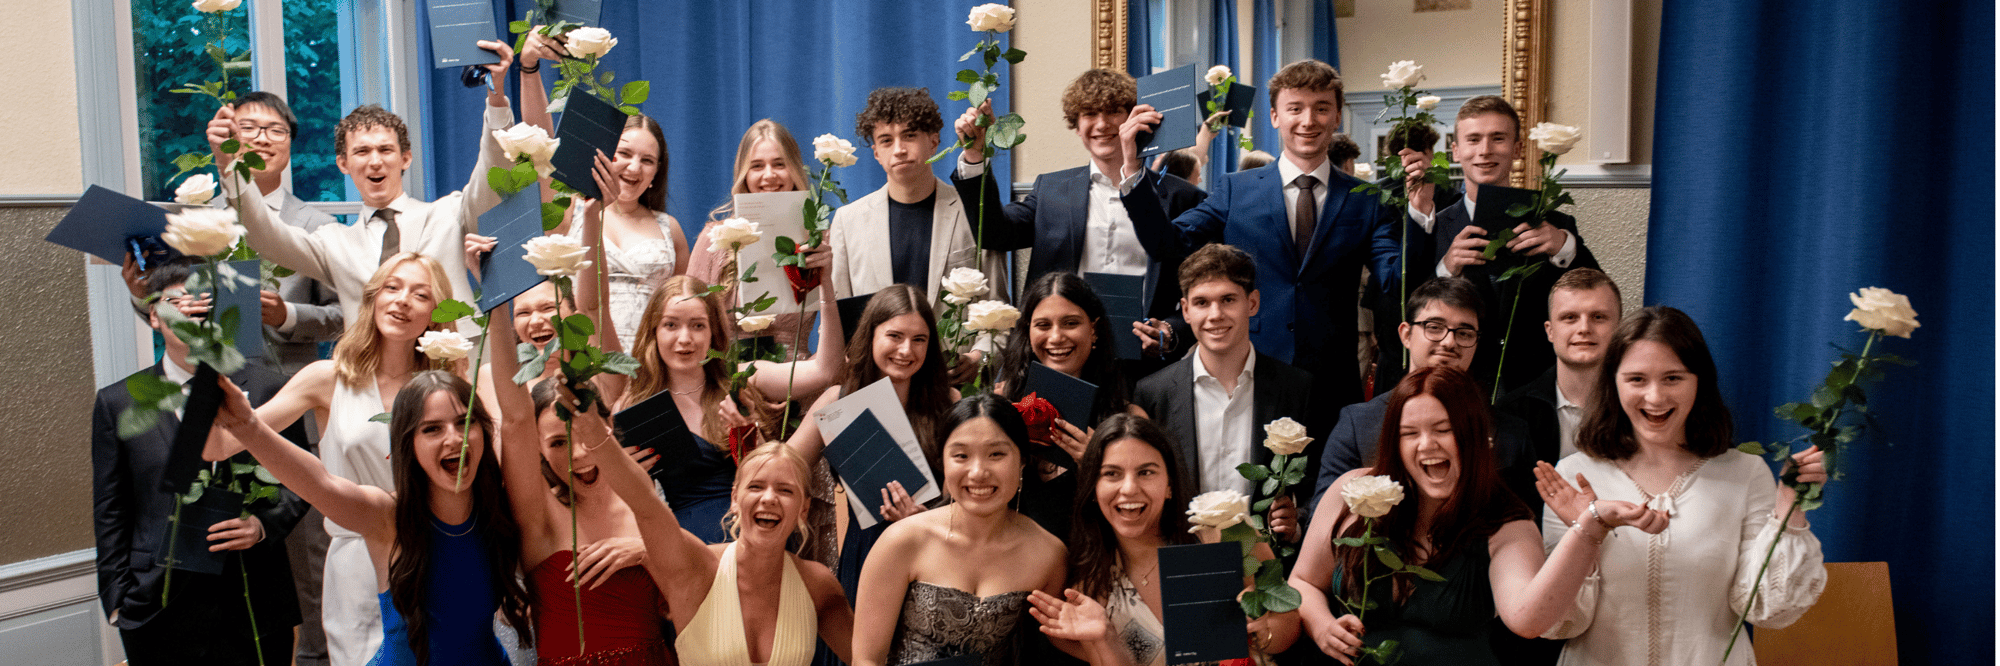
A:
[131,519]
[1055,215]
[1529,354]
[1307,315]
[1281,390]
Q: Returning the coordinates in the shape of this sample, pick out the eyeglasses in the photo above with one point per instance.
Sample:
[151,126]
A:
[277,132]
[1434,331]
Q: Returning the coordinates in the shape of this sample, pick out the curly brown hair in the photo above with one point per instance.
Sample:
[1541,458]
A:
[1100,91]
[913,108]
[369,116]
[1311,76]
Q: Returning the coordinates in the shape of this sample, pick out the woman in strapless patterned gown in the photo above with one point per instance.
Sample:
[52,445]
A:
[955,581]
[376,356]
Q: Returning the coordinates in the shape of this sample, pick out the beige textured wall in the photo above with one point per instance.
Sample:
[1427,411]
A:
[1056,35]
[1569,71]
[1456,48]
[42,156]
[45,406]
[1612,222]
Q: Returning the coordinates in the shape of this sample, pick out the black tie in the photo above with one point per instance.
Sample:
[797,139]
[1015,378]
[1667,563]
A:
[1302,213]
[392,238]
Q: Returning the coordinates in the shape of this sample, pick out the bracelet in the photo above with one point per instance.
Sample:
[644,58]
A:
[1600,519]
[532,70]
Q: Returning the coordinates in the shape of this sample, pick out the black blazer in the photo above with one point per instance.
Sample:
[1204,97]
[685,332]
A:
[1530,353]
[1281,390]
[131,516]
[1535,405]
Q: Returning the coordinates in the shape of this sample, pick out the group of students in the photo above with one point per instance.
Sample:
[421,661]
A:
[467,506]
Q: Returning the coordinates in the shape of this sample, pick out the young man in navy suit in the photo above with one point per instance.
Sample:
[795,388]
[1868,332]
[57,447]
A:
[1073,218]
[1310,235]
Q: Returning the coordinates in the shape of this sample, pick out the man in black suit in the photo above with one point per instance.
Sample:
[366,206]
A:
[207,621]
[1217,400]
[1584,307]
[1073,219]
[1489,140]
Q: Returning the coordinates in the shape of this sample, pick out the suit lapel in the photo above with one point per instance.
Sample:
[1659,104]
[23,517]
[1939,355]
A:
[948,222]
[874,225]
[1074,191]
[1330,207]
[1182,418]
[1263,407]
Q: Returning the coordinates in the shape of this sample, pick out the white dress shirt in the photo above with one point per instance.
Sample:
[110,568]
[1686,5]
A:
[1290,172]
[1110,244]
[1568,416]
[1222,425]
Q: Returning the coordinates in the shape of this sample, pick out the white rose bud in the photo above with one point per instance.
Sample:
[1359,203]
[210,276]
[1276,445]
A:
[733,233]
[202,232]
[833,150]
[196,190]
[1371,496]
[585,42]
[530,140]
[1219,509]
[755,323]
[1555,139]
[991,17]
[991,316]
[214,6]
[1403,74]
[1428,102]
[1216,74]
[963,284]
[1882,310]
[557,256]
[1364,171]
[1285,436]
[444,346]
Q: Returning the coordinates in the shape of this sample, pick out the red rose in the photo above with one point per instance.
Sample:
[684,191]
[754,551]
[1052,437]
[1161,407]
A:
[1041,418]
[803,280]
[742,439]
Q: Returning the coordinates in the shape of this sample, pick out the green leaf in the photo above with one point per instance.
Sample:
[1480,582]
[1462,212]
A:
[254,161]
[518,27]
[263,475]
[380,418]
[1498,243]
[1261,505]
[1014,56]
[450,310]
[977,92]
[501,180]
[137,419]
[1518,210]
[1281,599]
[1423,573]
[1240,532]
[635,92]
[552,215]
[968,54]
[1270,486]
[1252,602]
[1006,132]
[1350,542]
[1388,558]
[968,75]
[785,245]
[1752,448]
[1253,471]
[955,95]
[230,146]
[620,363]
[1297,464]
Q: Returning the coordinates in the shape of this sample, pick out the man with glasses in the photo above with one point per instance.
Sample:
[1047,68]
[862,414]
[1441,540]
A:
[1443,330]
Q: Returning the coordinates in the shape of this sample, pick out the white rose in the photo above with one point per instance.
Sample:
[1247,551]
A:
[963,284]
[733,233]
[991,316]
[202,232]
[1371,496]
[1403,74]
[833,150]
[1364,171]
[1216,74]
[1218,509]
[1882,310]
[991,17]
[530,140]
[1554,139]
[590,42]
[1285,436]
[196,190]
[213,6]
[1428,102]
[445,345]
[557,256]
[755,323]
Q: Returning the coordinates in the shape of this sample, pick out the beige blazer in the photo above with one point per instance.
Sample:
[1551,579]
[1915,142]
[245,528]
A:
[860,240]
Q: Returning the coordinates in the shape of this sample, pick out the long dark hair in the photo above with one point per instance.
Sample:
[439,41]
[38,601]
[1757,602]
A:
[930,392]
[1606,431]
[1476,508]
[411,564]
[1093,545]
[1100,367]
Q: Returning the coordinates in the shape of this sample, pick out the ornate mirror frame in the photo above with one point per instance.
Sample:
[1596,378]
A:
[1524,54]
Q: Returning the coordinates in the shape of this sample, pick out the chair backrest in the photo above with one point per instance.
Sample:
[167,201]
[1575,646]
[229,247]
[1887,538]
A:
[1853,623]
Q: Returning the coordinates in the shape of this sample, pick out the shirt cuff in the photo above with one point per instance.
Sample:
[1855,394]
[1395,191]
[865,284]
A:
[1567,254]
[1125,186]
[1422,220]
[291,318]
[1442,271]
[499,117]
[968,170]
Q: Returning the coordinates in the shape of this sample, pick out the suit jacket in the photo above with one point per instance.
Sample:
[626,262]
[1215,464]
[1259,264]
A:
[1307,317]
[861,259]
[1355,442]
[314,304]
[1281,390]
[131,517]
[1535,405]
[1530,353]
[345,256]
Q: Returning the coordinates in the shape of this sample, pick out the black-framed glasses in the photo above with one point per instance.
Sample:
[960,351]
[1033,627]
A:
[277,132]
[1434,331]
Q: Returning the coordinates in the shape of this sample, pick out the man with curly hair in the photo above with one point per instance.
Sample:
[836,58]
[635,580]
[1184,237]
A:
[914,230]
[1073,219]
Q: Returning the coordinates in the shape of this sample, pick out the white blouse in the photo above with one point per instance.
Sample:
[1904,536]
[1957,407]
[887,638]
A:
[1673,598]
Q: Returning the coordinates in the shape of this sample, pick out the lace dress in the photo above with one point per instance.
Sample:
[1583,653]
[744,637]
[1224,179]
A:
[634,272]
[939,622]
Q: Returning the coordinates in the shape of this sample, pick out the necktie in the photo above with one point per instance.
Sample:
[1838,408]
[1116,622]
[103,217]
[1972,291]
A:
[392,238]
[1302,213]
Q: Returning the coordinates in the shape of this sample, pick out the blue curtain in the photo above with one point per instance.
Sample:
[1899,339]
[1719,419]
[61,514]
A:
[1264,60]
[1326,45]
[1803,152]
[1138,38]
[716,66]
[1222,51]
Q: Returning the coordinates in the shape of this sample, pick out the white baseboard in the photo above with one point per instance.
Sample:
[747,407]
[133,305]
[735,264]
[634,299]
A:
[49,613]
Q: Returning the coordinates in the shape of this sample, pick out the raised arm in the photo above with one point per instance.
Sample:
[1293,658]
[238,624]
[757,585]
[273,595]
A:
[479,196]
[592,295]
[878,599]
[681,565]
[1336,632]
[825,367]
[309,390]
[364,509]
[808,441]
[520,430]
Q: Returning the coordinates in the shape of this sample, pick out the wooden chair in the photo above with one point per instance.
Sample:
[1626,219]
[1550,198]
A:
[1853,623]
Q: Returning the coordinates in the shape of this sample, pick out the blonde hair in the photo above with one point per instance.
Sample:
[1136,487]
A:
[652,375]
[358,354]
[763,130]
[732,523]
